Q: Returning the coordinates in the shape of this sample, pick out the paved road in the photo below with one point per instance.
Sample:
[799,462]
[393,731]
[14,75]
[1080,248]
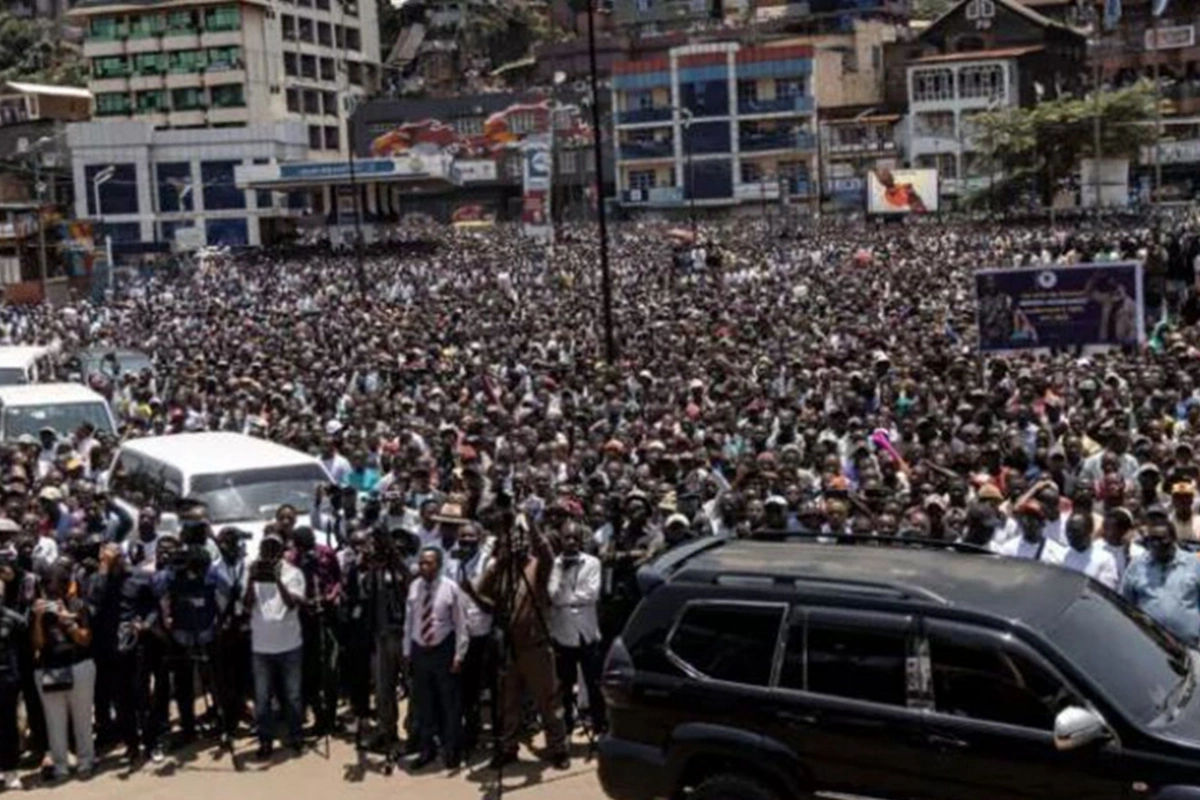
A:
[313,777]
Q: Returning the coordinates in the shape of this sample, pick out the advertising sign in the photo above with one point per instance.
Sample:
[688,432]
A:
[536,166]
[1060,306]
[902,191]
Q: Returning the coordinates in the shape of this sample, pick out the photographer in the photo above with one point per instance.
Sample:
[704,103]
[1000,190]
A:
[517,584]
[138,624]
[65,672]
[232,646]
[274,595]
[322,594]
[139,549]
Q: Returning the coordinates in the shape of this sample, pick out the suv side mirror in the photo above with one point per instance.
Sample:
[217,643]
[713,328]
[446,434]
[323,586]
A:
[1076,727]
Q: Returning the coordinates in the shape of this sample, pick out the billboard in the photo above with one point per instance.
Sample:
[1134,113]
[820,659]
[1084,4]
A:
[536,161]
[1112,179]
[1060,306]
[902,191]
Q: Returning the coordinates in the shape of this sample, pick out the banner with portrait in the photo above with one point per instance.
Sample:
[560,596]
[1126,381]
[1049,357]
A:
[1060,306]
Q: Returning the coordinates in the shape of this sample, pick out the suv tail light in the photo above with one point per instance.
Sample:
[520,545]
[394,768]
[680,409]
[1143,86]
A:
[618,674]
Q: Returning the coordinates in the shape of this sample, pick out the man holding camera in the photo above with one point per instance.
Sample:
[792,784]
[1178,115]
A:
[232,646]
[322,587]
[274,595]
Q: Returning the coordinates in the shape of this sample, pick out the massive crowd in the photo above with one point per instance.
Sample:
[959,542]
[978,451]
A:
[492,470]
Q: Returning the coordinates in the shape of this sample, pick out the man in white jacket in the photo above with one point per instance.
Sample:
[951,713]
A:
[575,626]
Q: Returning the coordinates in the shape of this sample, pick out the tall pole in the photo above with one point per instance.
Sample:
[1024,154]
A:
[360,266]
[38,189]
[610,342]
[1097,153]
[691,181]
[1156,197]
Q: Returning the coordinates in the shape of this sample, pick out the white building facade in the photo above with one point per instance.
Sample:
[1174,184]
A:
[188,91]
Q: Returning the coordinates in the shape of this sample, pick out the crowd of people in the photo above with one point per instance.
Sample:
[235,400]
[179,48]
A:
[491,471]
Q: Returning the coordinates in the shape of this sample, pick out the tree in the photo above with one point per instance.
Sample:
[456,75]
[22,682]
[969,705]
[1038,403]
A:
[1042,145]
[38,51]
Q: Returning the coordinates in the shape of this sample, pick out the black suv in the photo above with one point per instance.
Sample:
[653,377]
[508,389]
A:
[769,671]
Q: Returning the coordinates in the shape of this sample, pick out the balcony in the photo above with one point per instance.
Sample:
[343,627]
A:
[761,191]
[866,147]
[181,40]
[221,38]
[658,196]
[146,81]
[636,150]
[799,104]
[776,140]
[183,80]
[636,115]
[106,85]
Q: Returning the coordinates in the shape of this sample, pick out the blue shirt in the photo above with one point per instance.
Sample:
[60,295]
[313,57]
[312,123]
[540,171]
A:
[1169,593]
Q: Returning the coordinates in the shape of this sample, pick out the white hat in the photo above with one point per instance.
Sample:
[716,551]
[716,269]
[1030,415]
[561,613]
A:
[333,427]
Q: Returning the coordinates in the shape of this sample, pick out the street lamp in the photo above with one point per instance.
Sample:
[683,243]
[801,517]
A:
[40,189]
[99,179]
[688,116]
[610,342]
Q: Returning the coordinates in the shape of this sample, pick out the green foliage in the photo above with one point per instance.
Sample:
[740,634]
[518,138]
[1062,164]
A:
[37,51]
[1044,143]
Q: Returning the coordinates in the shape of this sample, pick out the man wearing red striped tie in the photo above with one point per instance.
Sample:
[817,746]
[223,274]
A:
[435,643]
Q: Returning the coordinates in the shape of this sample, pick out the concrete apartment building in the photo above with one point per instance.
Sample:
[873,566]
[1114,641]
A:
[187,90]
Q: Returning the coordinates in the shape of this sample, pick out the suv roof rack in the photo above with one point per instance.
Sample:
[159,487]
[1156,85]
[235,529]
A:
[833,586]
[861,539]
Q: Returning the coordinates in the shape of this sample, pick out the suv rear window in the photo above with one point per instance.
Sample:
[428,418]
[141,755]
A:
[728,641]
[858,660]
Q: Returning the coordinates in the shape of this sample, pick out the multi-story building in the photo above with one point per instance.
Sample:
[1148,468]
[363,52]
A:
[852,145]
[982,55]
[716,124]
[185,93]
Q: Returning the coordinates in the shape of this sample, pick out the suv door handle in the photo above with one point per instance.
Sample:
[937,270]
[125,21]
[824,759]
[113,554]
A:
[800,719]
[948,742]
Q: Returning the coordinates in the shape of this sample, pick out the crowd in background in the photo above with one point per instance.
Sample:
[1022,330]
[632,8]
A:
[490,469]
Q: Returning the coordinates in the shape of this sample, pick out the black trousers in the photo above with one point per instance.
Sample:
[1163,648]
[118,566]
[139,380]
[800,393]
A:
[231,674]
[105,700]
[10,736]
[174,679]
[570,660]
[320,679]
[437,693]
[131,696]
[475,669]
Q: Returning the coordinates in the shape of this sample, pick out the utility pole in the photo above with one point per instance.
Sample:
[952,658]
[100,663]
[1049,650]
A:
[610,342]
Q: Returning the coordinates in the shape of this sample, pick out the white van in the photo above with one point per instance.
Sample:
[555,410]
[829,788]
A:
[61,406]
[21,364]
[241,480]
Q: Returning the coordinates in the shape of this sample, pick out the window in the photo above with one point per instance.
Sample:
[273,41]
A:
[289,64]
[263,198]
[331,137]
[354,71]
[728,642]
[220,192]
[287,24]
[849,656]
[223,18]
[931,85]
[568,162]
[308,66]
[220,58]
[112,103]
[146,26]
[751,172]
[353,39]
[186,60]
[513,168]
[182,22]
[304,29]
[228,95]
[117,195]
[316,139]
[327,70]
[981,81]
[339,37]
[227,232]
[329,103]
[107,28]
[522,122]
[469,126]
[325,34]
[110,67]
[150,63]
[876,57]
[789,87]
[983,677]
[312,101]
[293,100]
[747,92]
[175,186]
[189,99]
[152,101]
[705,98]
[323,5]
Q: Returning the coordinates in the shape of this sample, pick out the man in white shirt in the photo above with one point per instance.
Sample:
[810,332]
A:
[274,593]
[436,640]
[1117,541]
[336,464]
[1032,544]
[465,566]
[1087,555]
[575,626]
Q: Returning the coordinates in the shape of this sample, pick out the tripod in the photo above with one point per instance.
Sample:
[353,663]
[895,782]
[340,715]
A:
[199,657]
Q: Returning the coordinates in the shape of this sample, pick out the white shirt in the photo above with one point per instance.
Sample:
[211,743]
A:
[479,622]
[1119,555]
[338,468]
[574,592]
[275,628]
[1051,551]
[1056,530]
[449,616]
[133,542]
[1095,562]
